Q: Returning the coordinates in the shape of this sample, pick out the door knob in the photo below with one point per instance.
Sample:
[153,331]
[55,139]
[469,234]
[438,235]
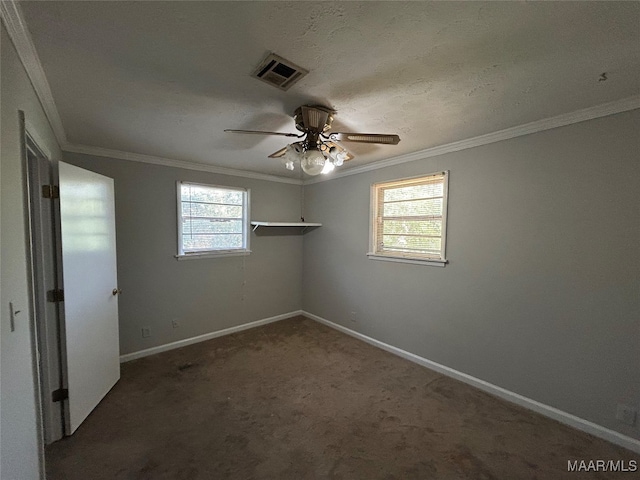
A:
[116,291]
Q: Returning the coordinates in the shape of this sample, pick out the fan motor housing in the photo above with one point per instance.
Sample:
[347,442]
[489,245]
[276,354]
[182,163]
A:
[313,118]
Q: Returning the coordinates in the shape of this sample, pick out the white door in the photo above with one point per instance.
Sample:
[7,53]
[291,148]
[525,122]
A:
[87,217]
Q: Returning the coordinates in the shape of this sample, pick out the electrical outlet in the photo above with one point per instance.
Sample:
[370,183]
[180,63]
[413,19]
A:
[146,332]
[352,317]
[626,414]
[175,323]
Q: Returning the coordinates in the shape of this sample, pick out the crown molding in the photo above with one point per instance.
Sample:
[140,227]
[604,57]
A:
[21,38]
[590,113]
[167,162]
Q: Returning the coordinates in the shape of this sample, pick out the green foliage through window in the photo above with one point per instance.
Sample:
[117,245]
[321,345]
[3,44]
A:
[212,218]
[410,217]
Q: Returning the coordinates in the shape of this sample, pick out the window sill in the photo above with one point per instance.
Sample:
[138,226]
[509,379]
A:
[196,256]
[417,261]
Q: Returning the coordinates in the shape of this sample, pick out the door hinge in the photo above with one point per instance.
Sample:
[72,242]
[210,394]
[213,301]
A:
[55,296]
[50,191]
[59,395]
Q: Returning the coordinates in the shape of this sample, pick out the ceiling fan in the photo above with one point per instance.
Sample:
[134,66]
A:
[318,151]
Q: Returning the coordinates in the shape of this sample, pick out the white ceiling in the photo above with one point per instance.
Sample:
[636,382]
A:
[166,78]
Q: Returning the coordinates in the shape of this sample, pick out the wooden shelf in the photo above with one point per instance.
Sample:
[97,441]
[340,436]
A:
[303,226]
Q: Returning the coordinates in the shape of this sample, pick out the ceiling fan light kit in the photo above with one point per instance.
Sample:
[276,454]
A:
[318,151]
[313,162]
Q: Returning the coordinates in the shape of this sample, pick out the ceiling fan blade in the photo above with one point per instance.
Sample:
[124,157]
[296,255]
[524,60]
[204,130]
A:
[261,132]
[279,153]
[386,139]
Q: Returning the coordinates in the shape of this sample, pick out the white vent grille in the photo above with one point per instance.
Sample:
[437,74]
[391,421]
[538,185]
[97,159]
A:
[279,72]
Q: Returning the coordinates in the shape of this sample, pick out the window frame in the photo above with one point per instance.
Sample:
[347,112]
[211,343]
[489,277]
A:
[229,252]
[374,254]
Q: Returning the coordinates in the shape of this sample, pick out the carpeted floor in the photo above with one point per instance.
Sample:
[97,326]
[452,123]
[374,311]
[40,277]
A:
[297,400]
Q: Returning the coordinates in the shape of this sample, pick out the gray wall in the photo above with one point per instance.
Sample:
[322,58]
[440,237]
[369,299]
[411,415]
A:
[19,443]
[205,295]
[541,295]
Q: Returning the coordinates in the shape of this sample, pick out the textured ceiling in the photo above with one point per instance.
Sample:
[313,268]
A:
[166,78]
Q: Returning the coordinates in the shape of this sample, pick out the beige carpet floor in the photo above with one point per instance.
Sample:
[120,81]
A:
[297,400]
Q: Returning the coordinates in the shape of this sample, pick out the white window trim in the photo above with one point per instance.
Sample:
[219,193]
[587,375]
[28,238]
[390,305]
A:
[435,262]
[236,252]
[212,254]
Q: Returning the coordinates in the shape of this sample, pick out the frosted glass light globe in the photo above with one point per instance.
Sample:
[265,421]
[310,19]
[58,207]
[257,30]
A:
[340,158]
[312,162]
[289,158]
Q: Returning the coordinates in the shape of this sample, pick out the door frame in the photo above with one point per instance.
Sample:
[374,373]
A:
[37,374]
[47,414]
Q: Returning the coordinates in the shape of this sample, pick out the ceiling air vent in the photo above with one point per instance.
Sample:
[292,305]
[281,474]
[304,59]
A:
[279,72]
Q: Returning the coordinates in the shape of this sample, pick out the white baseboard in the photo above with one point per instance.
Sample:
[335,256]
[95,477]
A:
[546,410]
[207,336]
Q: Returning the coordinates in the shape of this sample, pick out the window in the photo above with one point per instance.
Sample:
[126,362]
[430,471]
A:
[212,220]
[408,221]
